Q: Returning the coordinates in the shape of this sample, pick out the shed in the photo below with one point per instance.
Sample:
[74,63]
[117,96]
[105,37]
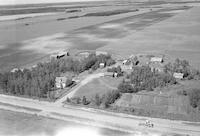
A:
[61,82]
[102,65]
[156,59]
[115,74]
[178,75]
[101,53]
[62,54]
[59,55]
[14,70]
[84,54]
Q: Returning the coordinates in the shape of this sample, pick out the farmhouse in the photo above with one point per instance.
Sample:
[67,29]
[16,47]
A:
[178,75]
[156,60]
[61,82]
[84,54]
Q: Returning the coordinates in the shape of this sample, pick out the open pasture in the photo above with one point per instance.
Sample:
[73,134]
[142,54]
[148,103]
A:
[22,45]
[98,86]
[177,37]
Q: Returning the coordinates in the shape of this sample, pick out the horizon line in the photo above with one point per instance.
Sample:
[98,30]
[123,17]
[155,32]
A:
[49,2]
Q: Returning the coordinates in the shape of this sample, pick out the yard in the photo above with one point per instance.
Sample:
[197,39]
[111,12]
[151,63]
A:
[98,86]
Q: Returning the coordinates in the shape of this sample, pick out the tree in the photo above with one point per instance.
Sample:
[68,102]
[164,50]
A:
[85,101]
[126,88]
[194,97]
[97,100]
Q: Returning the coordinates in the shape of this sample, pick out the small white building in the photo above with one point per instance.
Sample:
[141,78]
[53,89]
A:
[61,82]
[156,59]
[84,54]
[178,75]
[14,70]
[115,75]
[101,53]
[102,65]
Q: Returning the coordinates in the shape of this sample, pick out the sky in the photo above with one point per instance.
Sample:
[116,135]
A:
[13,2]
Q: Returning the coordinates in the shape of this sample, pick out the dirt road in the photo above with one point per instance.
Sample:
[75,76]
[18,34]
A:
[98,118]
[77,87]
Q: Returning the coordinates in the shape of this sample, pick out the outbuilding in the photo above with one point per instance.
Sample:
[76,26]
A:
[102,65]
[14,70]
[101,53]
[156,59]
[59,55]
[178,75]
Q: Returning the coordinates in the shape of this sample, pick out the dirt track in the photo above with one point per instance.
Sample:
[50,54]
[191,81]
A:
[76,88]
[98,118]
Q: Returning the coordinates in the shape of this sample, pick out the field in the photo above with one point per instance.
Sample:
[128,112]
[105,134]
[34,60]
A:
[176,37]
[26,41]
[166,102]
[14,123]
[98,86]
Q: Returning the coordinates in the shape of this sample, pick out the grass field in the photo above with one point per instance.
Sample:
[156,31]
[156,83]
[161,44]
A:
[38,36]
[98,86]
[25,40]
[177,37]
[164,103]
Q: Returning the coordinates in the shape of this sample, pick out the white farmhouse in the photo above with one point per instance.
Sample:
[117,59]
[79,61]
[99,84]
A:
[178,75]
[156,59]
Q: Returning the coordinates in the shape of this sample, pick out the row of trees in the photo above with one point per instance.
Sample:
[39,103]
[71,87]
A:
[40,80]
[103,101]
[142,78]
[194,97]
[182,66]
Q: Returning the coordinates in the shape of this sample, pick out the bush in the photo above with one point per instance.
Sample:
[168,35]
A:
[126,88]
[194,97]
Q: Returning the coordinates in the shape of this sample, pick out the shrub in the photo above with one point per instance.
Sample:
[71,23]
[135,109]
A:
[194,97]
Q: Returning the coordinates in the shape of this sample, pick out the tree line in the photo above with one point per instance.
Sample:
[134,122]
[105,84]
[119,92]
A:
[182,66]
[143,78]
[103,101]
[40,81]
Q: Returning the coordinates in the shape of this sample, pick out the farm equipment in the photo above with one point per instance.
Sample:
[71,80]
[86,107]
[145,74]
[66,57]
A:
[147,124]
